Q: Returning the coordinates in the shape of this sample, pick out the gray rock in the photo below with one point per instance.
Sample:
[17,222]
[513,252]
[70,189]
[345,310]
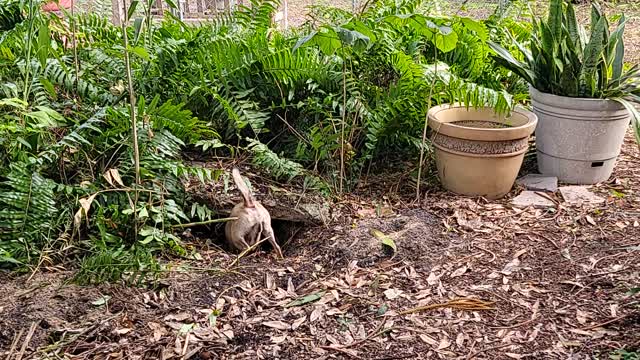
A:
[320,213]
[579,195]
[539,182]
[530,198]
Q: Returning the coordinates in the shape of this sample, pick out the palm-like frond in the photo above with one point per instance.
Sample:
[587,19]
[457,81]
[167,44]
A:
[27,212]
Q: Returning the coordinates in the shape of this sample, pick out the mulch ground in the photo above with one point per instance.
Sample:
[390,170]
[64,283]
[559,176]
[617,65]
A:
[470,278]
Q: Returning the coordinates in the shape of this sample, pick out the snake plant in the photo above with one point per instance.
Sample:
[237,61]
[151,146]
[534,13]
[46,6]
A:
[565,60]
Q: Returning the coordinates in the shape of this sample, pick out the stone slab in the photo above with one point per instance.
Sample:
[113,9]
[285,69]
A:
[530,198]
[579,195]
[539,182]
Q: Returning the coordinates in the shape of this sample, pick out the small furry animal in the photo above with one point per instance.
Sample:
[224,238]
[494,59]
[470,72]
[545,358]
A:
[253,221]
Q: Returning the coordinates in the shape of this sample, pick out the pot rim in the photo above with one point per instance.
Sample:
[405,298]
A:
[588,99]
[482,134]
[483,156]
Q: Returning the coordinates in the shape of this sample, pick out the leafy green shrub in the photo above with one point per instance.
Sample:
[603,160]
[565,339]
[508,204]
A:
[314,104]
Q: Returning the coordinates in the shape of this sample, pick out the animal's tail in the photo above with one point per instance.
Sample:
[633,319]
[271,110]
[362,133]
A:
[242,186]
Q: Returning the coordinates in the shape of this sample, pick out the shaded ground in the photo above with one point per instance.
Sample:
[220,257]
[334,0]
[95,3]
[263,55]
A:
[557,280]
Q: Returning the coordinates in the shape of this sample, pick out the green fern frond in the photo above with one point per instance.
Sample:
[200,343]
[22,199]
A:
[280,168]
[27,212]
[10,15]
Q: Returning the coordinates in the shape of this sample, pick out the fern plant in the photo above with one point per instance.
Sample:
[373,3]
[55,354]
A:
[314,105]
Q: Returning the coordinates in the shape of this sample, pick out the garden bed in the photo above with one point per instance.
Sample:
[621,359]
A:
[541,283]
[557,280]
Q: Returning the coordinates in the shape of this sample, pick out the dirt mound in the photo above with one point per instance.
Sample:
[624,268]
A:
[418,236]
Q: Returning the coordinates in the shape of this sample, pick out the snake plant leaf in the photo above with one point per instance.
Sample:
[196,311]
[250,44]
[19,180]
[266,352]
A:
[596,14]
[528,58]
[618,60]
[572,26]
[555,18]
[635,117]
[592,54]
[510,62]
[547,38]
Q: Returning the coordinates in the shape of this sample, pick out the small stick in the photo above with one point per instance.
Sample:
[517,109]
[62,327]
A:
[32,329]
[186,343]
[493,256]
[460,304]
[606,322]
[245,251]
[192,353]
[339,349]
[548,239]
[471,356]
[14,343]
[204,222]
[514,326]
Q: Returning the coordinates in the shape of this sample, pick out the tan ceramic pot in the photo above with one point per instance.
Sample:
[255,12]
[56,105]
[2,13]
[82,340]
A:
[479,152]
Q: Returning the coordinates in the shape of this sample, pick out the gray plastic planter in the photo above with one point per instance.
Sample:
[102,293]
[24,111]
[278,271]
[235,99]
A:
[578,139]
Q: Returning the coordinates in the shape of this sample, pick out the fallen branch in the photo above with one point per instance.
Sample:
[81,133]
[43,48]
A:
[339,349]
[493,256]
[87,331]
[459,304]
[245,252]
[14,343]
[27,340]
[207,222]
[607,322]
[471,356]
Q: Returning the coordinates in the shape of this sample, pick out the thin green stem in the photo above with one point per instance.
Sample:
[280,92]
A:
[27,68]
[426,120]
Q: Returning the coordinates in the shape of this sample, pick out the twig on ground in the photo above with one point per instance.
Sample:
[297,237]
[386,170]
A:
[471,356]
[245,252]
[29,291]
[459,304]
[514,326]
[213,221]
[593,265]
[607,322]
[89,330]
[548,239]
[339,349]
[14,343]
[396,357]
[493,256]
[372,335]
[27,340]
[191,353]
